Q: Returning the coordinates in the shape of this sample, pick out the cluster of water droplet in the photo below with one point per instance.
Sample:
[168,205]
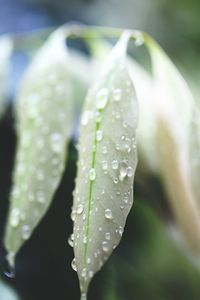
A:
[44,121]
[104,185]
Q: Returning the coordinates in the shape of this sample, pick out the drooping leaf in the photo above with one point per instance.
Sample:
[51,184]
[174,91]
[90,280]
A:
[143,83]
[44,124]
[194,151]
[5,52]
[173,111]
[103,194]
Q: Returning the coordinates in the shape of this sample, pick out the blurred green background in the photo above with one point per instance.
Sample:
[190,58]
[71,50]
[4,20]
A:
[148,264]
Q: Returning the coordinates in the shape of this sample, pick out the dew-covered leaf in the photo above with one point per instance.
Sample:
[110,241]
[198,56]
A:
[5,52]
[103,194]
[44,122]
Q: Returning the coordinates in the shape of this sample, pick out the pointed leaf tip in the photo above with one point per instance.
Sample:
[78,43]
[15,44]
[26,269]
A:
[103,194]
[44,119]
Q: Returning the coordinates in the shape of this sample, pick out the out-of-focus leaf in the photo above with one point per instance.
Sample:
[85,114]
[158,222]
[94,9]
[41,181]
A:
[6,46]
[6,293]
[195,151]
[82,71]
[44,123]
[107,160]
[173,108]
[143,83]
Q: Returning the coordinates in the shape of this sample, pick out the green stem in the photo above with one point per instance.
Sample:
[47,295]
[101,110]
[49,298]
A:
[83,296]
[90,192]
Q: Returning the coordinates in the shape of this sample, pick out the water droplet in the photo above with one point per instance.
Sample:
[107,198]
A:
[84,273]
[71,240]
[9,263]
[123,170]
[56,142]
[26,232]
[85,240]
[73,215]
[90,274]
[115,180]
[108,214]
[104,150]
[115,164]
[41,197]
[73,264]
[15,217]
[126,199]
[98,117]
[104,165]
[107,236]
[79,209]
[99,135]
[117,94]
[88,260]
[117,115]
[121,230]
[92,174]
[129,171]
[105,246]
[102,99]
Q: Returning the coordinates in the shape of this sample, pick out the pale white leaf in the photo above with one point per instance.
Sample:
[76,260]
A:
[107,160]
[44,125]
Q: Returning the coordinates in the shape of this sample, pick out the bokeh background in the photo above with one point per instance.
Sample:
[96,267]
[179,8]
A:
[148,264]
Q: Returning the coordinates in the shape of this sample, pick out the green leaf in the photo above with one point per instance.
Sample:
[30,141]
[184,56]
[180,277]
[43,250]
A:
[44,125]
[103,194]
[6,46]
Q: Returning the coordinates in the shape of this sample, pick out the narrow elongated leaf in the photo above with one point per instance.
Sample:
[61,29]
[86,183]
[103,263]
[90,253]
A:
[194,151]
[107,160]
[174,105]
[44,119]
[6,50]
[147,111]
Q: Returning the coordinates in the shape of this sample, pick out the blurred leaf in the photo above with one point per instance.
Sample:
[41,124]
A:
[5,53]
[152,265]
[6,293]
[147,120]
[107,160]
[173,111]
[195,151]
[44,125]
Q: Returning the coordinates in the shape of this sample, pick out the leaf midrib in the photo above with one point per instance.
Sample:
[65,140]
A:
[97,126]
